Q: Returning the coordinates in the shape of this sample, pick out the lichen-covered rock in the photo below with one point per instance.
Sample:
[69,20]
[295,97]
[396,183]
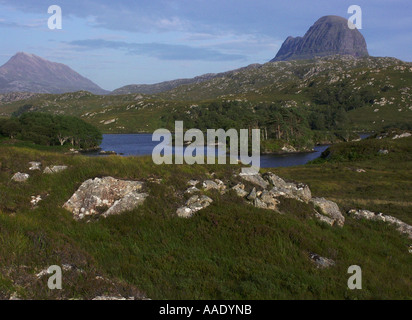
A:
[369,215]
[20,177]
[54,169]
[252,195]
[240,190]
[256,179]
[105,196]
[325,219]
[193,205]
[330,209]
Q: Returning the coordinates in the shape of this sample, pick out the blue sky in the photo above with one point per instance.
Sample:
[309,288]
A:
[120,42]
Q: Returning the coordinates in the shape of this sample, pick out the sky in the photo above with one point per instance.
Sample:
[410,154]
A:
[120,42]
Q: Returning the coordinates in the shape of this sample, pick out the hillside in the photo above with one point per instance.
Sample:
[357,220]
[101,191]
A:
[229,250]
[371,92]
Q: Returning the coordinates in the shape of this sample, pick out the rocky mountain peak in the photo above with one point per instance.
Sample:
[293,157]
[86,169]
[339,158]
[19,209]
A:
[26,72]
[330,35]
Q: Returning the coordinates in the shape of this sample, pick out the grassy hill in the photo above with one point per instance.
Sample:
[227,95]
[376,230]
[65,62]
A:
[372,93]
[227,251]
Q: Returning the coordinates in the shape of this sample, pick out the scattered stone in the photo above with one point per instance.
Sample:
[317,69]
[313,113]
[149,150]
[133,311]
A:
[20,177]
[193,205]
[210,185]
[35,201]
[54,169]
[403,135]
[259,204]
[105,196]
[240,190]
[383,151]
[252,195]
[256,179]
[275,180]
[360,170]
[192,183]
[330,209]
[321,262]
[270,200]
[369,215]
[192,190]
[14,296]
[34,166]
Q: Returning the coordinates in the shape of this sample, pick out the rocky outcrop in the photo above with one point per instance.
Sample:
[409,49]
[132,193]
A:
[329,209]
[105,196]
[330,35]
[369,215]
[20,177]
[193,205]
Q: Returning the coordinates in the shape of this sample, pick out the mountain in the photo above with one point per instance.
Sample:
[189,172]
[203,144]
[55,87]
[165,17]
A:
[170,85]
[330,35]
[26,72]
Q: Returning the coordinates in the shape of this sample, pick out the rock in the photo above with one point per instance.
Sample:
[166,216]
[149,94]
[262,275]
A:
[256,179]
[240,190]
[383,151]
[252,195]
[360,170]
[106,196]
[330,209]
[192,183]
[321,262]
[192,190]
[20,177]
[403,135]
[193,205]
[275,180]
[302,191]
[35,201]
[325,219]
[35,165]
[269,199]
[127,203]
[369,215]
[210,185]
[259,204]
[54,169]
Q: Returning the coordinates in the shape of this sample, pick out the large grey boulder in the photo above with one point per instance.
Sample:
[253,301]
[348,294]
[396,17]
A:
[105,196]
[330,209]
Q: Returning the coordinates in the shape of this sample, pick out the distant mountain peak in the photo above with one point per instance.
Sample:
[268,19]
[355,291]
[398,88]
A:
[330,35]
[27,72]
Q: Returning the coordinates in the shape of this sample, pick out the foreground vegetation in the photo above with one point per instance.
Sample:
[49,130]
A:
[226,251]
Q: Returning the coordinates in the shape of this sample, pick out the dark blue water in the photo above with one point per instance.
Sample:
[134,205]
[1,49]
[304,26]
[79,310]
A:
[142,144]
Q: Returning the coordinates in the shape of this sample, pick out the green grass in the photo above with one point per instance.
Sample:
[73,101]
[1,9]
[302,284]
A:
[230,250]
